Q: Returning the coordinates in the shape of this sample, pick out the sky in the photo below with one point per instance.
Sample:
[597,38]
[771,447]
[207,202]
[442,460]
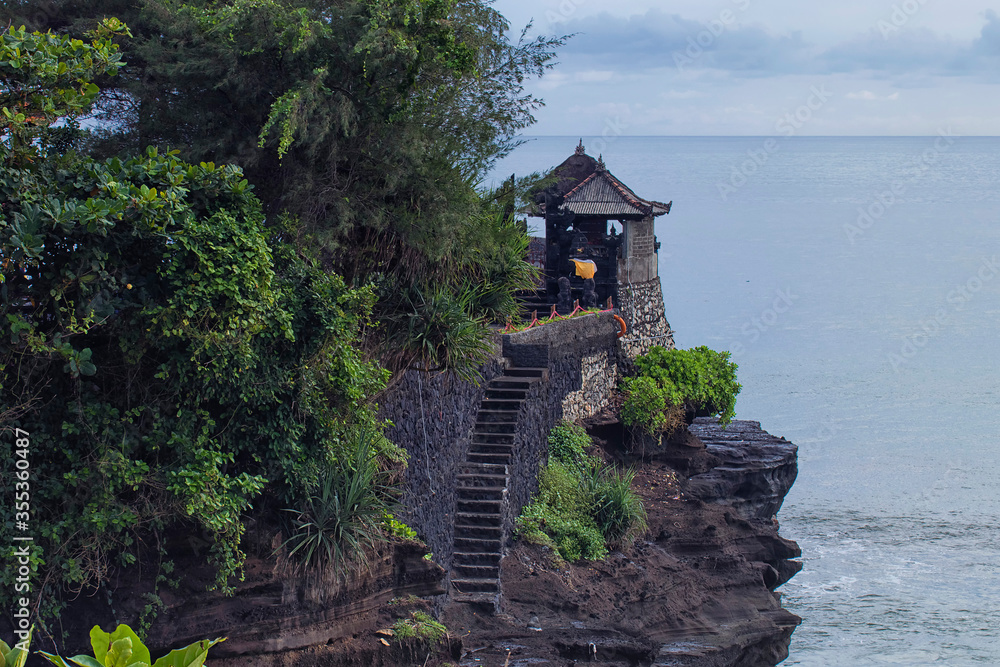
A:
[767,67]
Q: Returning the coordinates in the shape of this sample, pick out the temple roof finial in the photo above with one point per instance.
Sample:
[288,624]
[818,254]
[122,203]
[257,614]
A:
[600,163]
[580,149]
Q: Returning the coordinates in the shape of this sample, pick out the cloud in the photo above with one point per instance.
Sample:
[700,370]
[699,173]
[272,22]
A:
[659,41]
[869,96]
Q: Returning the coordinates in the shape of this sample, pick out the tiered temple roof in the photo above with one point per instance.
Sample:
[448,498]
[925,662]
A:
[586,187]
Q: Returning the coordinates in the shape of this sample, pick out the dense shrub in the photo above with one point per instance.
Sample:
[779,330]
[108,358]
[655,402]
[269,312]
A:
[701,380]
[172,357]
[567,442]
[617,511]
[581,506]
[419,626]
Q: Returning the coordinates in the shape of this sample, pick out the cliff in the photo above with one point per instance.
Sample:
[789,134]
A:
[698,591]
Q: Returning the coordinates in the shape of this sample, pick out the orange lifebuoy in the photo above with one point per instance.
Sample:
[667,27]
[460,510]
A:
[621,324]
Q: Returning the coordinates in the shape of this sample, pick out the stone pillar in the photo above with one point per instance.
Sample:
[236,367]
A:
[641,306]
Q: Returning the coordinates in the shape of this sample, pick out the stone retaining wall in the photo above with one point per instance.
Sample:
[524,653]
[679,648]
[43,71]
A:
[446,408]
[584,358]
[641,306]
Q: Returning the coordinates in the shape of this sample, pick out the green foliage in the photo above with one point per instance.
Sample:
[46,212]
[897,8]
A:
[341,521]
[170,356]
[419,626]
[617,511]
[44,76]
[397,528]
[581,506]
[17,655]
[701,380]
[567,442]
[644,404]
[373,123]
[122,648]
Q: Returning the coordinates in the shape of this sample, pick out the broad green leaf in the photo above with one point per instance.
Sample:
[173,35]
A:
[101,642]
[85,661]
[120,653]
[15,656]
[190,656]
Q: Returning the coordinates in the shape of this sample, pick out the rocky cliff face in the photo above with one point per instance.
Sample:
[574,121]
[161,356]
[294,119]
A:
[699,591]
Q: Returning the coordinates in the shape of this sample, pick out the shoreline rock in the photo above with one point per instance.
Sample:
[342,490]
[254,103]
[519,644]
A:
[698,591]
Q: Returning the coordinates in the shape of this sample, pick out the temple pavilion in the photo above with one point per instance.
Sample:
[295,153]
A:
[580,206]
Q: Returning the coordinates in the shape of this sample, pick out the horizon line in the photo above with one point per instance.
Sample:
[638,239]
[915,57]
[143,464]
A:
[757,136]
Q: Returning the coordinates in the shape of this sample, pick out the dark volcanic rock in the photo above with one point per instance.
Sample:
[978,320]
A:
[755,470]
[698,591]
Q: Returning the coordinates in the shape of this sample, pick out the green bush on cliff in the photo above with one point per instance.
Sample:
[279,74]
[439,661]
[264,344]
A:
[419,626]
[567,442]
[582,506]
[700,380]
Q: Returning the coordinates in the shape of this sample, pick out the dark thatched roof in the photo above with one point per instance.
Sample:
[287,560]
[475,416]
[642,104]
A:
[586,187]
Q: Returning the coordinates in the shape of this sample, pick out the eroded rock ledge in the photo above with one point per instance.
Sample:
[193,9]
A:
[699,591]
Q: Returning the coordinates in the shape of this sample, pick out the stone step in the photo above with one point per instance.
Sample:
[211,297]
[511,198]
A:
[477,558]
[488,457]
[491,448]
[475,493]
[472,468]
[513,405]
[526,372]
[505,394]
[477,545]
[477,506]
[492,437]
[512,383]
[479,599]
[499,416]
[478,532]
[477,571]
[489,519]
[480,482]
[475,585]
[496,428]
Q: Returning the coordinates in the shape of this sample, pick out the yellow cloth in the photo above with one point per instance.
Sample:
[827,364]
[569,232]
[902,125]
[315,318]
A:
[585,268]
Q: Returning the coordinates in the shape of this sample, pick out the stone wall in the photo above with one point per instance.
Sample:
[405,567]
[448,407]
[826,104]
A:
[582,358]
[641,306]
[432,418]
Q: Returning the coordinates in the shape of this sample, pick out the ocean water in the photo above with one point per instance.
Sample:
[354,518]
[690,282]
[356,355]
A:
[857,281]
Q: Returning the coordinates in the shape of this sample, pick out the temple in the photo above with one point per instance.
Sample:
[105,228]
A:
[581,206]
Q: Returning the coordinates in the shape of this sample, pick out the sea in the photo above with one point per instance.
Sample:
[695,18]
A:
[856,280]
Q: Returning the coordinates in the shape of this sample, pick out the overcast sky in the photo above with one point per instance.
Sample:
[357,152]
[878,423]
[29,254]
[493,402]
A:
[768,67]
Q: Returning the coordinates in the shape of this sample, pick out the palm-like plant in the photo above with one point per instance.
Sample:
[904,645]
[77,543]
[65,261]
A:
[616,509]
[339,522]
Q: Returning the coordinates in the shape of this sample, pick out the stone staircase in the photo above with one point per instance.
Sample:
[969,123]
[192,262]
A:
[533,300]
[482,488]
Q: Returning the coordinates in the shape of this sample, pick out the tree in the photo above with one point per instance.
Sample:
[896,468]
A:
[372,122]
[171,357]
